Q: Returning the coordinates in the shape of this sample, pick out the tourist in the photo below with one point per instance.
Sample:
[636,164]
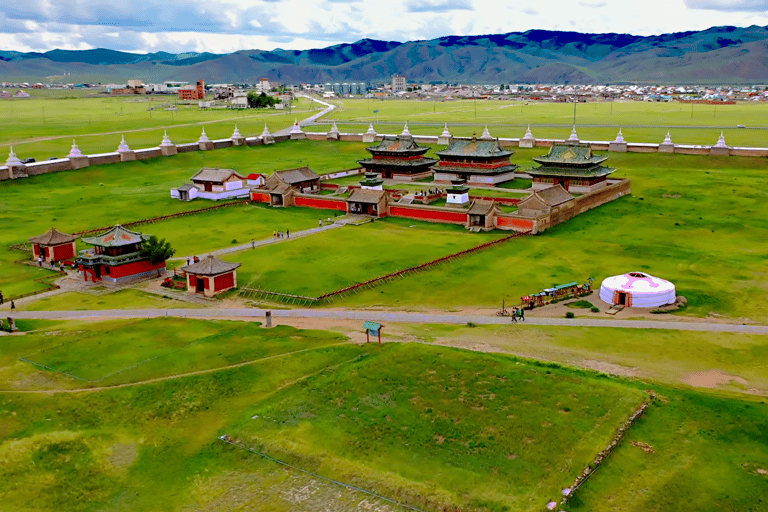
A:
[274,234]
[253,244]
[522,314]
[288,233]
[320,223]
[2,299]
[187,260]
[40,261]
[61,266]
[514,315]
[13,305]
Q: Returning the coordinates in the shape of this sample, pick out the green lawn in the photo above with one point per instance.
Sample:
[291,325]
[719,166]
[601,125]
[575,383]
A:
[343,256]
[640,121]
[121,299]
[111,353]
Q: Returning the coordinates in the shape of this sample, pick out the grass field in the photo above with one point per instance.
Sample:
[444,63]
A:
[640,121]
[325,262]
[121,299]
[431,426]
[49,125]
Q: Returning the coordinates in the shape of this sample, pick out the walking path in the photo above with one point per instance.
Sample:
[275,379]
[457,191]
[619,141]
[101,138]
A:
[381,316]
[266,241]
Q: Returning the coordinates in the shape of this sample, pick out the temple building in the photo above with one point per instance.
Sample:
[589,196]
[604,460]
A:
[399,157]
[116,256]
[301,179]
[53,245]
[573,166]
[367,202]
[213,183]
[478,162]
[211,276]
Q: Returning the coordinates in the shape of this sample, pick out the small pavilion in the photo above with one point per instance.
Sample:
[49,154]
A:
[367,202]
[116,256]
[573,166]
[53,245]
[211,276]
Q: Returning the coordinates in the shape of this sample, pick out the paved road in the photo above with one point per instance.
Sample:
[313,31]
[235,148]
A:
[383,317]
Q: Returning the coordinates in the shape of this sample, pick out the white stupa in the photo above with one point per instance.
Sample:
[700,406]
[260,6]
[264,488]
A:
[721,141]
[619,137]
[166,140]
[334,128]
[667,146]
[333,133]
[445,137]
[203,137]
[406,132]
[266,136]
[637,290]
[266,132]
[236,134]
[486,134]
[74,151]
[528,140]
[12,159]
[296,131]
[618,144]
[123,147]
[370,129]
[667,139]
[370,135]
[574,137]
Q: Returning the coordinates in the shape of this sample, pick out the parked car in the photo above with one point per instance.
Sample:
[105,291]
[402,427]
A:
[740,126]
[28,160]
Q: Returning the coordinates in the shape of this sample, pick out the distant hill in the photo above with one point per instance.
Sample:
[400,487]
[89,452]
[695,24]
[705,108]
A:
[719,55]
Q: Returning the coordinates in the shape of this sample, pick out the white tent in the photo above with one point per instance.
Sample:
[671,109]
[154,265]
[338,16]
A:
[637,290]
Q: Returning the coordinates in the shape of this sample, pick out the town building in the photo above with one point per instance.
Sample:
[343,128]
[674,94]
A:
[399,83]
[192,92]
[399,157]
[53,245]
[116,257]
[477,161]
[211,276]
[213,183]
[573,166]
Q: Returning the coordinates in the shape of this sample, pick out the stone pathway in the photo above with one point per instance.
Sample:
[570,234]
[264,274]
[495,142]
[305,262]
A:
[379,316]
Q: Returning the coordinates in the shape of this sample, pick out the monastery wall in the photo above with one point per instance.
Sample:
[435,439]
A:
[429,214]
[314,201]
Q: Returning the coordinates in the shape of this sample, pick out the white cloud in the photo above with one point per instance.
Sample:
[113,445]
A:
[729,5]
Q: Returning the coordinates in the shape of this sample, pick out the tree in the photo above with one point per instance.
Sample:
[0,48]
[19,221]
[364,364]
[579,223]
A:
[260,100]
[157,250]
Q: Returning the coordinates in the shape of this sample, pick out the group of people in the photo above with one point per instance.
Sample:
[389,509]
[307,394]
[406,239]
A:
[518,313]
[280,234]
[53,264]
[193,259]
[2,301]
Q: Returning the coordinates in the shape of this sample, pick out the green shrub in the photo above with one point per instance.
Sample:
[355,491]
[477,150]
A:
[594,309]
[570,314]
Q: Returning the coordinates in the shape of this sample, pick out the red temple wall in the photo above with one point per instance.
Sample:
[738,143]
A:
[516,224]
[429,215]
[63,252]
[260,197]
[129,269]
[223,282]
[316,202]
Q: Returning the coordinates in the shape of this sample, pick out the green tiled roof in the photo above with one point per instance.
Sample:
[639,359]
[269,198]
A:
[579,155]
[402,145]
[116,237]
[397,163]
[595,171]
[474,170]
[474,148]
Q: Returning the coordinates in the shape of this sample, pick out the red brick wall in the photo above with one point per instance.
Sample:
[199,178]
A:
[223,282]
[428,215]
[130,269]
[514,223]
[317,202]
[260,197]
[64,252]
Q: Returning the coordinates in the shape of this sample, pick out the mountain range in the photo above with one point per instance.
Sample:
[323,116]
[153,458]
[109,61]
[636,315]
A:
[719,55]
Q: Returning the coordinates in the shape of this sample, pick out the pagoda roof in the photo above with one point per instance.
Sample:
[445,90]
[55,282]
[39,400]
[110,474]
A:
[474,170]
[424,161]
[402,144]
[53,237]
[214,174]
[570,155]
[369,196]
[117,236]
[297,175]
[210,266]
[476,148]
[595,171]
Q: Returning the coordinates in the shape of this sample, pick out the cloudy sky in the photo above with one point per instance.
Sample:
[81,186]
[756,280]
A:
[229,25]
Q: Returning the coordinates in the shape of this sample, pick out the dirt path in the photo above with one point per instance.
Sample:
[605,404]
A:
[169,377]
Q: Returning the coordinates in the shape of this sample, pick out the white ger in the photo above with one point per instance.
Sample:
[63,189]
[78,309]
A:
[637,290]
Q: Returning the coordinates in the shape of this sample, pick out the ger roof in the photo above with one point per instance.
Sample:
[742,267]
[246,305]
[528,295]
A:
[116,237]
[474,147]
[570,155]
[297,175]
[53,237]
[214,174]
[365,196]
[210,266]
[400,144]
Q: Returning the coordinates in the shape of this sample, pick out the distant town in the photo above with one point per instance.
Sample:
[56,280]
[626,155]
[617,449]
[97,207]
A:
[399,87]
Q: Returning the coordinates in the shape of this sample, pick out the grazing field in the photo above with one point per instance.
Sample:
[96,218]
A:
[50,124]
[425,425]
[120,299]
[640,121]
[130,351]
[340,257]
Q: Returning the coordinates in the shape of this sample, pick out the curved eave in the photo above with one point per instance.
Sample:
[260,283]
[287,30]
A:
[469,170]
[570,172]
[425,162]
